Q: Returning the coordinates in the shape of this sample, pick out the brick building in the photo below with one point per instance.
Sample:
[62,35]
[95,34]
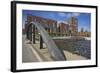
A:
[69,27]
[63,27]
[49,24]
[73,26]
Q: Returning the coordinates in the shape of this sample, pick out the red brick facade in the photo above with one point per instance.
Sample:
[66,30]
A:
[63,27]
[52,26]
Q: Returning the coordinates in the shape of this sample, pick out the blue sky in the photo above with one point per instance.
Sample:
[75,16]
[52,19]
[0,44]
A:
[84,19]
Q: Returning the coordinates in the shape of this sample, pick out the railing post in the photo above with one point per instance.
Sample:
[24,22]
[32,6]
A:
[41,42]
[33,34]
[30,31]
[27,34]
[27,31]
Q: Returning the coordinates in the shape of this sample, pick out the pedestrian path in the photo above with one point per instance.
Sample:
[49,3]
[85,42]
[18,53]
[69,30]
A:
[43,52]
[70,56]
[27,53]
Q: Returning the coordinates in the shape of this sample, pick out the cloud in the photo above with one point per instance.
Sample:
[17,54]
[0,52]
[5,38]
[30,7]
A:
[62,14]
[73,14]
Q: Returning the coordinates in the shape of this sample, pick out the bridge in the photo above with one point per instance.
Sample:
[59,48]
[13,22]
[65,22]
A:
[54,51]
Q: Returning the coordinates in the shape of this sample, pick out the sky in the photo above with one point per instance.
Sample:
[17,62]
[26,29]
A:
[84,19]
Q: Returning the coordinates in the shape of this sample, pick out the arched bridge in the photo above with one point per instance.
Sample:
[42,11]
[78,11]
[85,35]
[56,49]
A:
[54,51]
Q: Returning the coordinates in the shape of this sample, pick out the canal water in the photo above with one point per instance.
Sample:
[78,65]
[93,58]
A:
[77,46]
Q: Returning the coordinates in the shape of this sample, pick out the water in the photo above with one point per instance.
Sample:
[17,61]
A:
[81,47]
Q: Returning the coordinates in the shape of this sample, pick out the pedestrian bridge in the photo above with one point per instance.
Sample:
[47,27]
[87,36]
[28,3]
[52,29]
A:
[54,51]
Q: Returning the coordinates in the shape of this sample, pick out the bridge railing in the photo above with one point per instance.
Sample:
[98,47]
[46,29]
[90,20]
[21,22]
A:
[53,50]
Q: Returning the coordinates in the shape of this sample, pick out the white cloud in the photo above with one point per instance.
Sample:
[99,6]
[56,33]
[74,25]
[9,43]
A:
[73,14]
[68,14]
[62,14]
[63,22]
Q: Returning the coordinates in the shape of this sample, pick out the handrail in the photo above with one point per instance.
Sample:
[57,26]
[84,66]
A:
[54,51]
